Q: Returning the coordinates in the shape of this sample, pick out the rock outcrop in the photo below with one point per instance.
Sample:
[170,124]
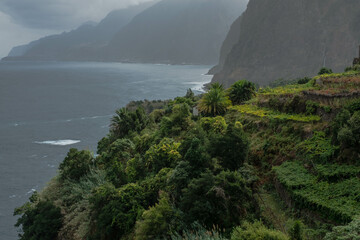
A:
[290,39]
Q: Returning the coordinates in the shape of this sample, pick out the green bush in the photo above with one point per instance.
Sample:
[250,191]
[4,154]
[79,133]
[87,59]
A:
[223,200]
[256,231]
[296,231]
[325,71]
[350,231]
[318,148]
[76,164]
[198,232]
[311,107]
[241,91]
[39,221]
[126,121]
[231,148]
[162,155]
[216,124]
[349,135]
[156,221]
[116,210]
[304,80]
[353,105]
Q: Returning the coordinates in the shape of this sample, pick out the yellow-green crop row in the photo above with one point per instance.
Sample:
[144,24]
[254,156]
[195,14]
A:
[287,89]
[267,113]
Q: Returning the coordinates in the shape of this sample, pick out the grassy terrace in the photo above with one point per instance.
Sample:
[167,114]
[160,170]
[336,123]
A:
[338,201]
[286,90]
[270,114]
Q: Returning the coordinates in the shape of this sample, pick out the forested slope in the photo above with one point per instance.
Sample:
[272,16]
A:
[273,163]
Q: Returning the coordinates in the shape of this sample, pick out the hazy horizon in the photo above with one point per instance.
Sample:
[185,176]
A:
[22,22]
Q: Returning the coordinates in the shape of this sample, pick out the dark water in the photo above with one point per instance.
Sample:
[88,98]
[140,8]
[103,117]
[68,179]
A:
[43,104]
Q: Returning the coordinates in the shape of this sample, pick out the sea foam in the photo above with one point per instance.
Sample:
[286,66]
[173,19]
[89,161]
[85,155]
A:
[60,142]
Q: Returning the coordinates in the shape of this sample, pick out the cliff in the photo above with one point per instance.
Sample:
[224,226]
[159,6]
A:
[176,31]
[231,39]
[290,39]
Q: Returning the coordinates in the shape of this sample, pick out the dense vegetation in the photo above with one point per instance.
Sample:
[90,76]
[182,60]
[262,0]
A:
[274,164]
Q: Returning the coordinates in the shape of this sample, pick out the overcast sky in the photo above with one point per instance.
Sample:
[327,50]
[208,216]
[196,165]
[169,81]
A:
[22,21]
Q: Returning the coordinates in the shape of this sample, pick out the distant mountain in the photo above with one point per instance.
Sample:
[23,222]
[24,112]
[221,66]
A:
[289,39]
[176,31]
[84,43]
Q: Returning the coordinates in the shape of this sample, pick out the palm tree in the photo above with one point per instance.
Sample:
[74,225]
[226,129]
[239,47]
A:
[215,101]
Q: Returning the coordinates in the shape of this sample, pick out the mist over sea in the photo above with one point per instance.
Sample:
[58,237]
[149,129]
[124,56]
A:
[48,107]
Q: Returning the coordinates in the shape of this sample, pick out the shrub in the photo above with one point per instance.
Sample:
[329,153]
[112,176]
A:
[353,106]
[39,221]
[325,70]
[231,148]
[223,200]
[198,232]
[256,231]
[216,124]
[311,107]
[241,91]
[156,221]
[303,80]
[296,231]
[349,135]
[318,147]
[76,164]
[116,210]
[350,231]
[126,121]
[164,154]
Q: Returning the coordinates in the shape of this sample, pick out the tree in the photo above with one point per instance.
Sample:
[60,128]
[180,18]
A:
[40,220]
[241,91]
[214,102]
[162,155]
[347,232]
[156,221]
[223,200]
[116,210]
[114,160]
[76,164]
[126,121]
[231,148]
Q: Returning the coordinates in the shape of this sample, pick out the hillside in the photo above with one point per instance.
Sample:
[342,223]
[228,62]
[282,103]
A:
[290,39]
[177,31]
[83,43]
[273,163]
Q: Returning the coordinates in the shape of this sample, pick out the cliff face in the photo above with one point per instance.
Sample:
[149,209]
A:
[289,39]
[231,39]
[177,31]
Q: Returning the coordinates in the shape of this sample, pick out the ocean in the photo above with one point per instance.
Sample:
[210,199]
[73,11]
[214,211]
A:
[46,108]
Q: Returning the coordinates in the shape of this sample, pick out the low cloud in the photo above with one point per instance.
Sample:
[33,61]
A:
[13,34]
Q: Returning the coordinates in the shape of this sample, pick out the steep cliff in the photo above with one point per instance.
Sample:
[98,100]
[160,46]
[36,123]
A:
[231,39]
[289,39]
[177,31]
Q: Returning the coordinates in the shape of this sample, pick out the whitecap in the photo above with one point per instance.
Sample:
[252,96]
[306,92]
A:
[59,142]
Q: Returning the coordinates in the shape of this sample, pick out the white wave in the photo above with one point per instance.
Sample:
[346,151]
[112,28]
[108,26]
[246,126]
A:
[60,142]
